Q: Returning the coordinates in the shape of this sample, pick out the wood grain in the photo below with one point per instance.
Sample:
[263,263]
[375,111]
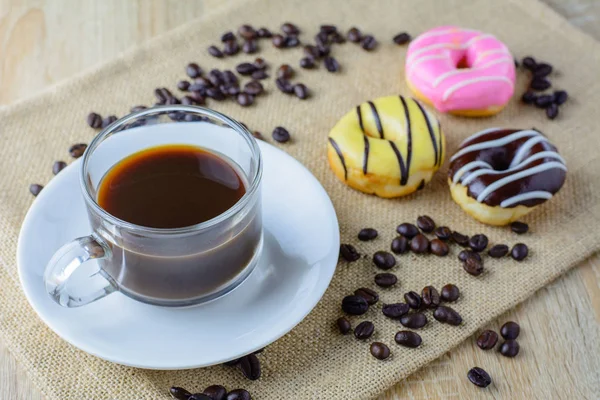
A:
[44,42]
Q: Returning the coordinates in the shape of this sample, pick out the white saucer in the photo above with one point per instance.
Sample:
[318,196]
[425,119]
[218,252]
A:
[301,246]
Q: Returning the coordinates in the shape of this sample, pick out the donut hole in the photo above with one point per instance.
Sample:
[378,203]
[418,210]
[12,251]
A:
[498,158]
[463,63]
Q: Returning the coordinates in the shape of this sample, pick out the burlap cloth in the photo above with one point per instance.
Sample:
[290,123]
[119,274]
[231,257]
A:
[313,361]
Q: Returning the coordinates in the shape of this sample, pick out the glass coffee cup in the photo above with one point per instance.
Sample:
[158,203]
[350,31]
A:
[179,266]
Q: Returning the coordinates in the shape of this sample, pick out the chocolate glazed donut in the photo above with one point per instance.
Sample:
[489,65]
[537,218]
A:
[499,175]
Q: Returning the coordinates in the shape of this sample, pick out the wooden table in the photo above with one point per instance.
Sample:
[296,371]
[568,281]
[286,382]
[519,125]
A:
[44,42]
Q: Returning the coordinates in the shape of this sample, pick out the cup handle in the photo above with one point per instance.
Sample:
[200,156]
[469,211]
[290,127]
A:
[66,260]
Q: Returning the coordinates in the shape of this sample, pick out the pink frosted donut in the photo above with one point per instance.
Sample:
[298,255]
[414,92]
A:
[460,71]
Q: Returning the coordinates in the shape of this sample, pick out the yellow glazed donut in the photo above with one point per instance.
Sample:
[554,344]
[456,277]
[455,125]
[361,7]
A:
[390,147]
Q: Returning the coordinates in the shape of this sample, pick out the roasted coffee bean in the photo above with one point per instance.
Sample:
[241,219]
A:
[529,63]
[439,247]
[231,48]
[328,29]
[478,243]
[264,33]
[94,120]
[58,166]
[510,330]
[199,396]
[324,49]
[479,377]
[331,64]
[487,340]
[371,296]
[425,223]
[284,85]
[443,233]
[413,300]
[354,305]
[414,320]
[498,251]
[449,293]
[519,227]
[254,88]
[544,101]
[529,97]
[402,38]
[337,38]
[198,98]
[215,52]
[419,244]
[460,239]
[519,251]
[540,84]
[396,310]
[35,189]
[379,350]
[112,118]
[187,101]
[292,41]
[260,74]
[430,296]
[230,78]
[368,42]
[278,41]
[171,101]
[250,366]
[200,85]
[216,392]
[285,71]
[354,35]
[322,39]
[290,29]
[301,91]
[366,234]
[560,97]
[215,94]
[239,394]
[408,339]
[364,330]
[260,63]
[384,260]
[227,36]
[250,46]
[193,70]
[385,279]
[349,253]
[179,393]
[160,96]
[245,68]
[343,325]
[183,85]
[247,32]
[400,245]
[138,108]
[230,90]
[552,111]
[232,363]
[245,99]
[542,70]
[510,348]
[259,136]
[215,77]
[280,134]
[473,266]
[311,51]
[463,255]
[77,150]
[407,230]
[447,315]
[307,63]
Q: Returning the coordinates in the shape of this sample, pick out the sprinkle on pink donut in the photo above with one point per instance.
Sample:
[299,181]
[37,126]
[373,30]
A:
[461,69]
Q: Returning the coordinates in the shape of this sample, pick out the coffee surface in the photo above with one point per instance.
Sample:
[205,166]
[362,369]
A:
[170,186]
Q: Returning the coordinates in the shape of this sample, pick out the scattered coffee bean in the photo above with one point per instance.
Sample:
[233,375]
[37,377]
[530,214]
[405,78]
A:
[322,40]
[260,74]
[425,223]
[290,29]
[479,377]
[379,350]
[498,251]
[385,279]
[354,305]
[430,296]
[254,88]
[250,46]
[402,38]
[542,70]
[328,29]
[227,36]
[383,260]
[366,234]
[338,38]
[413,300]
[540,84]
[354,35]
[285,71]
[519,251]
[215,77]
[560,97]
[260,63]
[183,85]
[284,85]
[199,396]
[193,70]
[215,94]
[264,33]
[369,295]
[77,150]
[529,63]
[529,97]
[552,111]
[414,320]
[245,99]
[343,325]
[447,315]
[215,52]
[179,393]
[443,233]
[137,108]
[460,239]
[259,136]
[439,247]
[395,311]
[311,51]
[510,330]
[247,32]
[368,42]
[478,243]
[348,252]
[231,48]
[463,255]
[544,101]
[324,49]
[449,293]
[216,392]
[419,244]
[473,266]
[278,41]
[198,98]
[364,330]
[307,63]
[407,230]
[400,245]
[35,189]
[292,41]
[245,68]
[239,394]
[331,64]
[280,134]
[250,366]
[109,120]
[301,91]
[487,340]
[58,166]
[187,101]
[510,348]
[408,339]
[519,227]
[94,120]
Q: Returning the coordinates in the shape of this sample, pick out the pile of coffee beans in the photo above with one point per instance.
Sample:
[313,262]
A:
[539,83]
[249,365]
[213,392]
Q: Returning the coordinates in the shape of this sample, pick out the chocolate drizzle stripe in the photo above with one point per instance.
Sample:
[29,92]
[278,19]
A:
[360,120]
[408,138]
[431,133]
[377,119]
[366,156]
[403,172]
[441,143]
[340,155]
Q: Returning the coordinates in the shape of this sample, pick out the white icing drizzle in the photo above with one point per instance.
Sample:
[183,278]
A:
[445,75]
[494,143]
[478,38]
[467,82]
[484,54]
[427,58]
[536,194]
[525,147]
[441,33]
[450,45]
[467,167]
[479,134]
